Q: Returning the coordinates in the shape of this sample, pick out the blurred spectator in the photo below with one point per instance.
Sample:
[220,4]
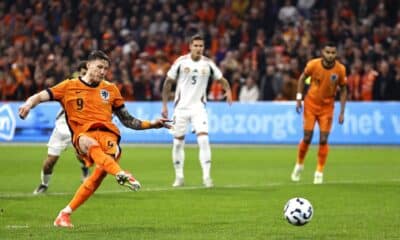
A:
[216,92]
[159,25]
[9,89]
[354,84]
[288,13]
[249,92]
[394,87]
[367,82]
[305,6]
[381,85]
[236,83]
[143,86]
[289,88]
[267,90]
[158,81]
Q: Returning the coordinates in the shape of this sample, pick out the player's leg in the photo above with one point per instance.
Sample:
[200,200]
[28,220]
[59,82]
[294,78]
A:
[322,151]
[205,158]
[178,159]
[82,194]
[106,149]
[322,156]
[325,123]
[103,149]
[180,122]
[200,123]
[302,150]
[46,173]
[58,142]
[309,119]
[84,168]
[89,147]
[303,146]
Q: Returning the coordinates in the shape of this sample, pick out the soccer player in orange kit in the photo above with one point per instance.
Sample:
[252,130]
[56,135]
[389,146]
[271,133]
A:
[326,75]
[89,103]
[59,140]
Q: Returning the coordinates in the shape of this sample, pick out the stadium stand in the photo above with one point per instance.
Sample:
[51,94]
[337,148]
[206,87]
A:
[269,41]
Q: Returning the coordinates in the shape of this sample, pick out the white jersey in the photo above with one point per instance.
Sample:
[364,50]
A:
[60,137]
[192,79]
[61,123]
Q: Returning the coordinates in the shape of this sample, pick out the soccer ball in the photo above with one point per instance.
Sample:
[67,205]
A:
[298,211]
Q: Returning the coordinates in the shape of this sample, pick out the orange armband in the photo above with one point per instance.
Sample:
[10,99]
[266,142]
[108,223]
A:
[145,125]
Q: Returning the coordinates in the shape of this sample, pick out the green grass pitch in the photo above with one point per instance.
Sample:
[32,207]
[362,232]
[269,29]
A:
[360,198]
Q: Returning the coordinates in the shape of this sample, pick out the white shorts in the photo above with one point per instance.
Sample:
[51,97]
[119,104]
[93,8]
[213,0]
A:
[181,119]
[59,139]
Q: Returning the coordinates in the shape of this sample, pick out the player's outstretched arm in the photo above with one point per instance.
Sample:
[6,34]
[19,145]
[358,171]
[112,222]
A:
[131,122]
[343,98]
[166,91]
[227,89]
[31,102]
[300,89]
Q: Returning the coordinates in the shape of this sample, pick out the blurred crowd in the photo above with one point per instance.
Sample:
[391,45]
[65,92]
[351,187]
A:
[261,46]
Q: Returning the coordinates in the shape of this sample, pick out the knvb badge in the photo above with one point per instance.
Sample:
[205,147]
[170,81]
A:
[7,123]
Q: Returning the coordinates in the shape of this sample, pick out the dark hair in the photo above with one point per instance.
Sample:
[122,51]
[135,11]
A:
[82,65]
[329,44]
[98,54]
[196,37]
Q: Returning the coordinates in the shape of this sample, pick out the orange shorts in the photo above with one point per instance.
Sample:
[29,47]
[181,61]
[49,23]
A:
[323,114]
[108,141]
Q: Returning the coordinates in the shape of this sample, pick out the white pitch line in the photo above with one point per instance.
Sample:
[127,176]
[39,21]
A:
[229,186]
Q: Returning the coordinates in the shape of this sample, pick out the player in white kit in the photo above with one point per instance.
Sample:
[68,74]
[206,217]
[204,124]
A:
[59,140]
[192,73]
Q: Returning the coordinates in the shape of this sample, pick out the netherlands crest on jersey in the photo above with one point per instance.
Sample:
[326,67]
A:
[334,78]
[104,94]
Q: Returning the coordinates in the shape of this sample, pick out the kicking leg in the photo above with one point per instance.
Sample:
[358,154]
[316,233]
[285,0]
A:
[105,159]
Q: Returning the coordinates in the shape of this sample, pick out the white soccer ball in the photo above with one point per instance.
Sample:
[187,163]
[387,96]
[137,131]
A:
[298,211]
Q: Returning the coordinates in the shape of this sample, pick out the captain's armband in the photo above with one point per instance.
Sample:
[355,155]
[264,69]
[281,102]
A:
[145,124]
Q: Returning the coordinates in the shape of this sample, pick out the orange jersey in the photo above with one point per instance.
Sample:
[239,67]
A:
[87,107]
[324,82]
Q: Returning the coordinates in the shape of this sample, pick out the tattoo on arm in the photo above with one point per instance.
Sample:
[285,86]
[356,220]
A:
[167,89]
[127,119]
[225,84]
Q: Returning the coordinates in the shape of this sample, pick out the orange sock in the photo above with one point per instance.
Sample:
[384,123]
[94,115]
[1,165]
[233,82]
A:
[302,151]
[87,188]
[322,155]
[103,160]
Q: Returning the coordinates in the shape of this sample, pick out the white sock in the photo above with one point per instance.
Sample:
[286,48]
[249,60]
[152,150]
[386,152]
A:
[67,209]
[178,157]
[45,178]
[298,167]
[318,174]
[204,155]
